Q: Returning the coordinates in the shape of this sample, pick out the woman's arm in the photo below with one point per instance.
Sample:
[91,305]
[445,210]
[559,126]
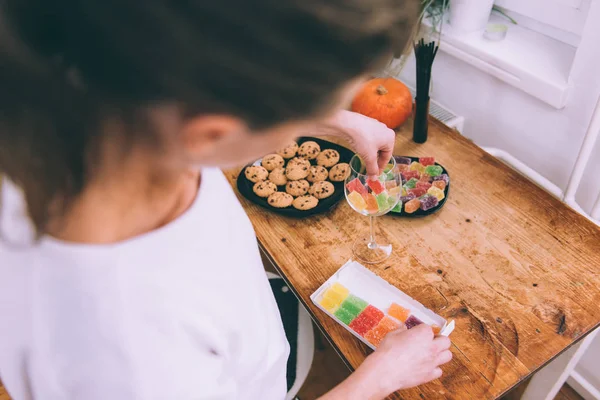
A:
[371,139]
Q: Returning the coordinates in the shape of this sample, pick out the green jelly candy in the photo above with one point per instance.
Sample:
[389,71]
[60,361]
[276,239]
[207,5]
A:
[434,170]
[398,208]
[354,305]
[344,315]
[382,201]
[388,168]
[411,184]
[392,201]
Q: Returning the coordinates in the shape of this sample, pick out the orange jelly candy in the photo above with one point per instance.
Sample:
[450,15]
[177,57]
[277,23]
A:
[399,312]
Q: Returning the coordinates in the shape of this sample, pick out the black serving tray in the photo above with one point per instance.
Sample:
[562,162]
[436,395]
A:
[245,186]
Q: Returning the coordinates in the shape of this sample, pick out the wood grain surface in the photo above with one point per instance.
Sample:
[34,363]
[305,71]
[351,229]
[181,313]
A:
[514,267]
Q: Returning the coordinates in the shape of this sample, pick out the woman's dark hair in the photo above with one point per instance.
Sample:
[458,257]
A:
[68,66]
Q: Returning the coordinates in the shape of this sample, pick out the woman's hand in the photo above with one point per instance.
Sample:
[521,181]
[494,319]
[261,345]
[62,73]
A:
[403,360]
[372,140]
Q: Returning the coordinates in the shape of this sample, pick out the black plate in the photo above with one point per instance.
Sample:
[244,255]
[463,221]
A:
[419,212]
[245,186]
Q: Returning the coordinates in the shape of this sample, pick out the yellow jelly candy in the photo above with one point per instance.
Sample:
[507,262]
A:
[329,304]
[437,192]
[334,296]
[415,166]
[393,192]
[357,201]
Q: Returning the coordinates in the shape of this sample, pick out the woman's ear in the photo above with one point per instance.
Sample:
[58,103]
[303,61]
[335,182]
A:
[202,135]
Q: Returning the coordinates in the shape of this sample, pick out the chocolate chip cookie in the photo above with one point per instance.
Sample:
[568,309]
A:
[297,188]
[256,173]
[309,150]
[304,203]
[280,200]
[339,172]
[277,176]
[289,151]
[321,190]
[272,161]
[317,173]
[328,158]
[264,189]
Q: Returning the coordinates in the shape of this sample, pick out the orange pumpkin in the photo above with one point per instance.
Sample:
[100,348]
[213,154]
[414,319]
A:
[386,99]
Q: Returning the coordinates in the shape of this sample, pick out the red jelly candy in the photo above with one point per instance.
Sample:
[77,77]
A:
[408,175]
[363,323]
[418,191]
[356,185]
[425,177]
[424,185]
[376,185]
[427,161]
[373,312]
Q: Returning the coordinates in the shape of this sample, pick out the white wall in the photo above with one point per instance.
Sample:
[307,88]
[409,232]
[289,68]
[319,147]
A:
[499,115]
[548,140]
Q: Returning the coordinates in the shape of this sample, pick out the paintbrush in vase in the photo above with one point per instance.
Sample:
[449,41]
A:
[424,55]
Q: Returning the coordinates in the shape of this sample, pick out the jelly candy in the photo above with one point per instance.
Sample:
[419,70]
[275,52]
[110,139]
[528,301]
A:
[442,177]
[436,329]
[389,324]
[408,175]
[375,185]
[411,184]
[392,201]
[391,184]
[439,184]
[415,166]
[354,305]
[344,316]
[404,192]
[424,185]
[412,321]
[372,205]
[439,193]
[402,160]
[383,202]
[373,312]
[398,312]
[395,191]
[427,161]
[398,208]
[366,320]
[388,168]
[407,198]
[402,167]
[334,296]
[428,202]
[357,201]
[374,337]
[355,185]
[417,192]
[412,206]
[425,177]
[434,170]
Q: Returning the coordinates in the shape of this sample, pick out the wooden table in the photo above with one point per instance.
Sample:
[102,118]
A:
[514,267]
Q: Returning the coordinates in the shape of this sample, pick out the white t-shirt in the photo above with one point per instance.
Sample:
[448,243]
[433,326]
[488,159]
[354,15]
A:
[183,312]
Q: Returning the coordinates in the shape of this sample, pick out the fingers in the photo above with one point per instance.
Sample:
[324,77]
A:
[436,374]
[441,343]
[384,158]
[444,357]
[371,166]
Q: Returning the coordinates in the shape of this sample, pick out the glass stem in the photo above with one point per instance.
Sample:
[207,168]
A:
[372,244]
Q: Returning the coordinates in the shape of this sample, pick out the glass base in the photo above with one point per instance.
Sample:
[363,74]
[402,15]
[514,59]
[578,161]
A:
[371,253]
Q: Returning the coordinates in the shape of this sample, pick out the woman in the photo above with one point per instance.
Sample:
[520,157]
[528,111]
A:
[141,278]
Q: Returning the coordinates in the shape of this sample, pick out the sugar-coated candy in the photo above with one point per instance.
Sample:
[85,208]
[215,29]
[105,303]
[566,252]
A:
[395,191]
[415,166]
[388,168]
[399,312]
[373,312]
[408,175]
[412,321]
[383,328]
[407,198]
[442,177]
[424,185]
[411,184]
[354,305]
[357,201]
[397,208]
[402,160]
[417,192]
[436,329]
[355,185]
[391,184]
[375,337]
[434,170]
[365,321]
[329,304]
[404,192]
[383,202]
[334,295]
[428,202]
[375,185]
[389,324]
[372,205]
[386,176]
[439,184]
[344,316]
[439,193]
[412,206]
[427,161]
[402,167]
[425,177]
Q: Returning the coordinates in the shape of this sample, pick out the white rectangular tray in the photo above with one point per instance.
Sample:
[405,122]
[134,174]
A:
[376,291]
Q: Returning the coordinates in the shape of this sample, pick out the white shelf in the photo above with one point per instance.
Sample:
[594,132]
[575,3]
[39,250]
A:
[530,61]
